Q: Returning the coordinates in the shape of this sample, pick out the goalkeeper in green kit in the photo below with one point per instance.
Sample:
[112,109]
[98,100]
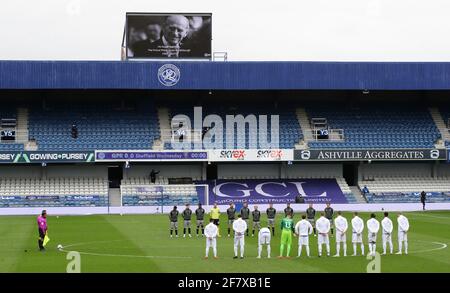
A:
[287,227]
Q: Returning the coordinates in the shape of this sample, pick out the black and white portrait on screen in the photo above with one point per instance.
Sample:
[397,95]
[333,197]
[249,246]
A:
[169,36]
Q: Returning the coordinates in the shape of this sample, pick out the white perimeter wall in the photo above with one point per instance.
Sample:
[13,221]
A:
[298,208]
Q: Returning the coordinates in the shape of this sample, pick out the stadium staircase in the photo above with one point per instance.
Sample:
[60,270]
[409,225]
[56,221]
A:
[441,125]
[305,128]
[357,194]
[22,130]
[22,125]
[114,197]
[164,128]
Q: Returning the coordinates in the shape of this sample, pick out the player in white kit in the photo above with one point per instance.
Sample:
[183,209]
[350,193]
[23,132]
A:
[403,228]
[387,228]
[211,232]
[357,230]
[323,226]
[373,226]
[303,229]
[341,225]
[239,228]
[264,239]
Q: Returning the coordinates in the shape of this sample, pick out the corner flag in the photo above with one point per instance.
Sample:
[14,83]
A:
[46,240]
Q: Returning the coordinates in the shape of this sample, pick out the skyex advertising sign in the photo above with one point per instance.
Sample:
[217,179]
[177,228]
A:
[370,155]
[233,155]
[46,157]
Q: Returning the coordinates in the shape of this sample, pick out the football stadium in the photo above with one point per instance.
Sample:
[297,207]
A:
[140,164]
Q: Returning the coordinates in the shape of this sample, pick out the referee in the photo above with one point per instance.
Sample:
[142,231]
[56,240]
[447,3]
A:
[42,227]
[215,215]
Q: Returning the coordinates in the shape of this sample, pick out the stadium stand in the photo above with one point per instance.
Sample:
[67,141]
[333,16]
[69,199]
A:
[445,112]
[99,126]
[53,192]
[11,147]
[141,192]
[9,112]
[406,189]
[374,126]
[102,126]
[397,182]
[289,134]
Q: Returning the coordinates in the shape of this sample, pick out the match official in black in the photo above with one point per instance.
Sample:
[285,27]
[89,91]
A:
[423,198]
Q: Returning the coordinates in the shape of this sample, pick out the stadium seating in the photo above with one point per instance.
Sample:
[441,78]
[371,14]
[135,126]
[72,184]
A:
[102,126]
[289,132]
[406,189]
[373,127]
[99,126]
[11,147]
[54,192]
[445,112]
[9,112]
[141,192]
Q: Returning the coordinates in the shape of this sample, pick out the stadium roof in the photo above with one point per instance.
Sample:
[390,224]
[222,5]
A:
[198,75]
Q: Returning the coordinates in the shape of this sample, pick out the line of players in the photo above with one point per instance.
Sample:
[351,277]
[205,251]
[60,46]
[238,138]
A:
[305,227]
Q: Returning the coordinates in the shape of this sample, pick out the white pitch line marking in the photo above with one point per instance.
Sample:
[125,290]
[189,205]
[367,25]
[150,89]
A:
[118,255]
[442,246]
[429,216]
[131,255]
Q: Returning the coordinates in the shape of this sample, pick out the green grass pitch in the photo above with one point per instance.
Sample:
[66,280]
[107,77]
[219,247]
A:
[141,243]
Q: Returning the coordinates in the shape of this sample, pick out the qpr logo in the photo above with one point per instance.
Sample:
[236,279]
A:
[168,75]
[305,155]
[434,154]
[101,156]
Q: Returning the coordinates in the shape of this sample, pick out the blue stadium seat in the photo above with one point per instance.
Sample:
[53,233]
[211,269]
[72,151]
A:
[99,126]
[371,127]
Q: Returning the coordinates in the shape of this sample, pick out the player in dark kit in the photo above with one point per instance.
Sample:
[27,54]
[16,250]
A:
[271,213]
[256,217]
[289,211]
[173,217]
[423,198]
[231,214]
[311,217]
[200,215]
[329,215]
[187,214]
[245,214]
